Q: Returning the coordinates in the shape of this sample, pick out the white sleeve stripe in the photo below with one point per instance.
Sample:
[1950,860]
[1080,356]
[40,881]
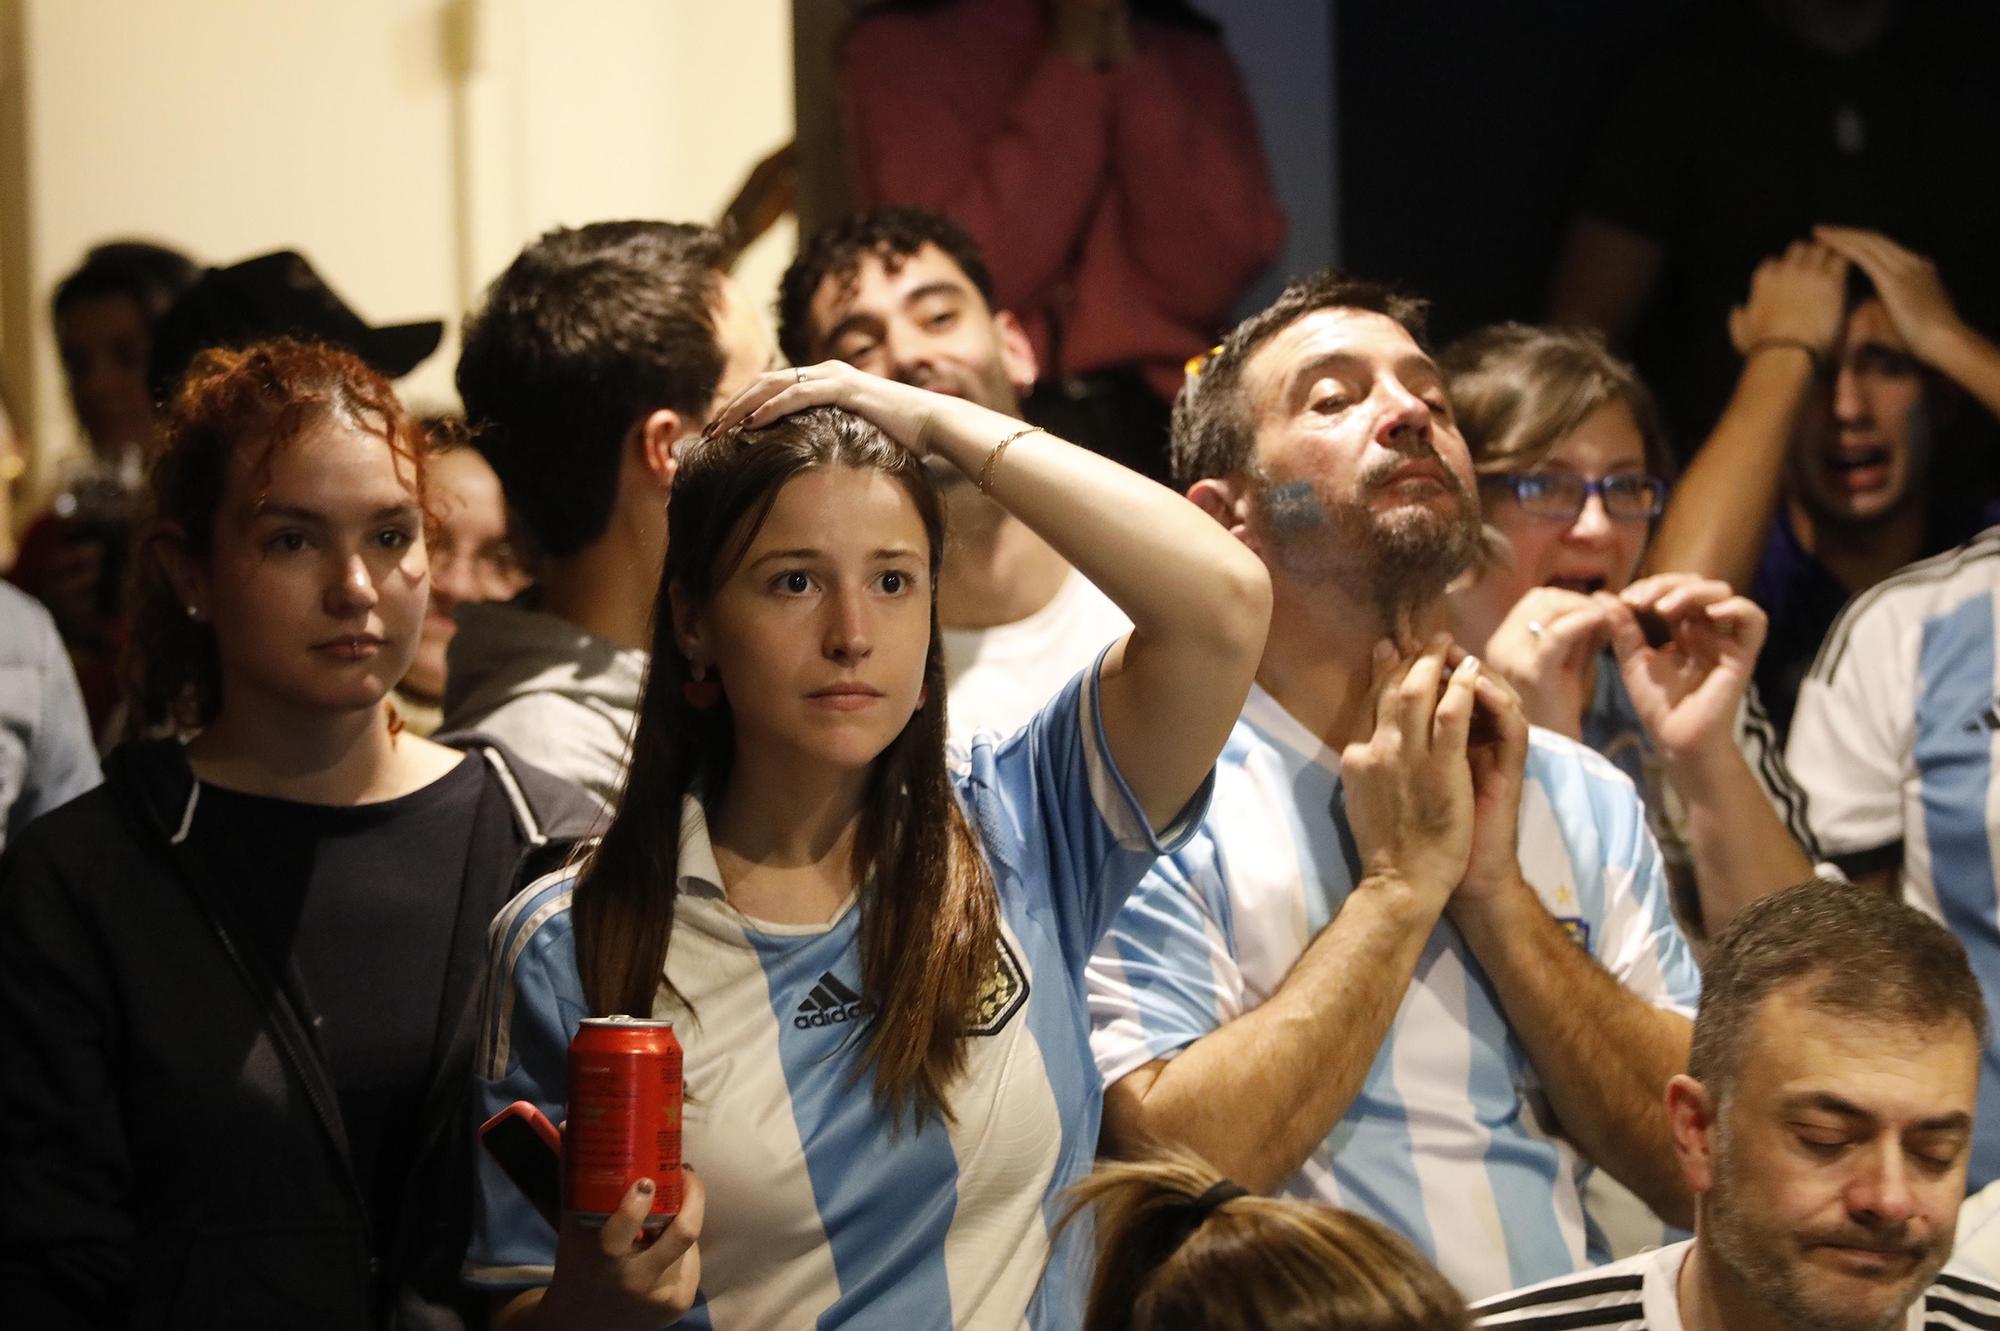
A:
[1757,736]
[1114,799]
[501,1023]
[1937,568]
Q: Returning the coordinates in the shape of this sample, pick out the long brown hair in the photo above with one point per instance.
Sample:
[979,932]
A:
[929,920]
[1165,1262]
[251,401]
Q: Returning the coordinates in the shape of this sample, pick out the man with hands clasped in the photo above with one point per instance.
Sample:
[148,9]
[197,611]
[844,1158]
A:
[1818,481]
[1418,961]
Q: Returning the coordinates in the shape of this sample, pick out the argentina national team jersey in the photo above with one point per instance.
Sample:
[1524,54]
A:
[819,1214]
[1896,743]
[1449,1141]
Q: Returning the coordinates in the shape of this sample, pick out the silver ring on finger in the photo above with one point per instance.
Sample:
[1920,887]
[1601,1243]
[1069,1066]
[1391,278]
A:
[800,373]
[1536,628]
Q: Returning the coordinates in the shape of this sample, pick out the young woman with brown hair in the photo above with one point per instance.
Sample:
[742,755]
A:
[1180,1248]
[236,980]
[874,964]
[1572,461]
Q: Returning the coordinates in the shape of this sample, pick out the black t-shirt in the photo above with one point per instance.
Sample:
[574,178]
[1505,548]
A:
[363,900]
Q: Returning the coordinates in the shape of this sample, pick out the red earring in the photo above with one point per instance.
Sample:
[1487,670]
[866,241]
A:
[701,693]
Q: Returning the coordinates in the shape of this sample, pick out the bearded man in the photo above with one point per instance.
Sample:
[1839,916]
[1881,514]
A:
[1418,962]
[1824,1125]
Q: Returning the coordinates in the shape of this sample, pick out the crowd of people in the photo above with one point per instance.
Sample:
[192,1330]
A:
[1380,851]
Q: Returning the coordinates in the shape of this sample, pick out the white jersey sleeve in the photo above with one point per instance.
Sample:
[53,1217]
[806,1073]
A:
[1853,731]
[1165,975]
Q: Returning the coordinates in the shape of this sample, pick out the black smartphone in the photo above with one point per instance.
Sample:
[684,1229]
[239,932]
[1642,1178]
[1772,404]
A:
[529,1151]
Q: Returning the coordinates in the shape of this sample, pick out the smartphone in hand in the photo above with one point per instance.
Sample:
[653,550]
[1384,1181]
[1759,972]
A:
[528,1150]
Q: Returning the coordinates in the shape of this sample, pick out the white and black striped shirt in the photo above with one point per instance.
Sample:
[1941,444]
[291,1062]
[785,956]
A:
[1640,1294]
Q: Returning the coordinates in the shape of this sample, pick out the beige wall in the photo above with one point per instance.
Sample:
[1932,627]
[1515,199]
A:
[408,147]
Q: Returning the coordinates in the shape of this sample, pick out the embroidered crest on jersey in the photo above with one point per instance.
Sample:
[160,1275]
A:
[1577,928]
[1001,994]
[830,1003]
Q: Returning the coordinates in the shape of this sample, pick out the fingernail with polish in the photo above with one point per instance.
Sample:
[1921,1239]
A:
[645,1186]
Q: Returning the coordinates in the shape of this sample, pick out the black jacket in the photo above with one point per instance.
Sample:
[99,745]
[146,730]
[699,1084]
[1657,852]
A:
[171,1151]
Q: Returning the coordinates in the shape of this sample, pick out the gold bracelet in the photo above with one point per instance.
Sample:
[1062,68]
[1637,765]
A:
[993,458]
[1813,353]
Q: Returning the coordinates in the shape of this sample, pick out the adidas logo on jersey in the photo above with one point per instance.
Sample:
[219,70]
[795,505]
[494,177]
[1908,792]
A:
[829,1004]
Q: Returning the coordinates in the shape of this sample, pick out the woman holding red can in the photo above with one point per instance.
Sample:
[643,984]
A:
[873,962]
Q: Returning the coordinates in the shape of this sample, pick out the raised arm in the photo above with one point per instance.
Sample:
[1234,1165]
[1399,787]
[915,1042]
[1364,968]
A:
[1257,1095]
[1922,311]
[1198,599]
[1716,521]
[1687,694]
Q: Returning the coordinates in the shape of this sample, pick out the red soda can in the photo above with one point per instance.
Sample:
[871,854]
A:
[624,1118]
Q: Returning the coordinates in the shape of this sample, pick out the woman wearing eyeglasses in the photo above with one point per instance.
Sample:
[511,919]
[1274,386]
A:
[1652,674]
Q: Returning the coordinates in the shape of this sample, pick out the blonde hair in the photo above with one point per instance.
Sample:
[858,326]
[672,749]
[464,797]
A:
[1167,1262]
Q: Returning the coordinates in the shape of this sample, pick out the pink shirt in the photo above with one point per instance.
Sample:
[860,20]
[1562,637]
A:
[1132,204]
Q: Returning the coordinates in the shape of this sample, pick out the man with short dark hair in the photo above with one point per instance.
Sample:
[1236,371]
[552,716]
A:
[594,355]
[905,293]
[1843,454]
[1823,1125]
[1411,967]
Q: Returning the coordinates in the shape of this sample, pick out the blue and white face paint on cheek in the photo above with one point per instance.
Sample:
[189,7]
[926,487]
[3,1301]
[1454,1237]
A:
[1294,506]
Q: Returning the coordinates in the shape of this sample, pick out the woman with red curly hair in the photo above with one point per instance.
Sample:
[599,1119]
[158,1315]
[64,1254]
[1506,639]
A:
[235,980]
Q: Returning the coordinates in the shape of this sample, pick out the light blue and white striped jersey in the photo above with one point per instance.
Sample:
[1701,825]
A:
[1896,742]
[819,1214]
[1450,1140]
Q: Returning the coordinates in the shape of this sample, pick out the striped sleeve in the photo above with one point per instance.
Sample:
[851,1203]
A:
[1853,731]
[532,1005]
[1960,1303]
[1757,739]
[1164,976]
[1051,799]
[1613,1301]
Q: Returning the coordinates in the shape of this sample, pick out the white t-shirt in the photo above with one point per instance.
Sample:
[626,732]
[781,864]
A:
[1643,1294]
[999,677]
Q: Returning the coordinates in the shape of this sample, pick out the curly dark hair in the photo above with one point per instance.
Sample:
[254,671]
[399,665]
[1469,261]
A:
[891,234]
[1212,433]
[588,330]
[256,400]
